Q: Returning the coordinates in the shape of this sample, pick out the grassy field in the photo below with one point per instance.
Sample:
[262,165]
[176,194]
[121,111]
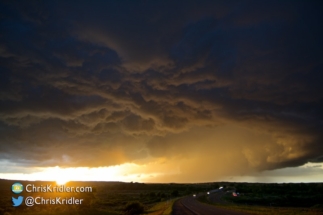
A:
[257,210]
[117,198]
[109,198]
[270,199]
[162,208]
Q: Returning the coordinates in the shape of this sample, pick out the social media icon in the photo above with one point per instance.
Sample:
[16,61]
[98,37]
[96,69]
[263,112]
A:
[18,201]
[17,188]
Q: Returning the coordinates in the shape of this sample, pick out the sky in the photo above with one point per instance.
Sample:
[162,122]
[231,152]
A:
[161,91]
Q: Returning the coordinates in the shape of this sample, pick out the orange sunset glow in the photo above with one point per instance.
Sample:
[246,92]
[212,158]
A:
[161,92]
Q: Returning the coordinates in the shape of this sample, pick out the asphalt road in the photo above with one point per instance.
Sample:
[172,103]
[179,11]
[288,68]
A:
[191,206]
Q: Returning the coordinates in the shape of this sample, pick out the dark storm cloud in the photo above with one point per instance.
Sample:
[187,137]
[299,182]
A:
[97,84]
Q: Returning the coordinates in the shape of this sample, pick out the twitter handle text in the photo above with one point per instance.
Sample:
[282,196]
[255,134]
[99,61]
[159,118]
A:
[31,201]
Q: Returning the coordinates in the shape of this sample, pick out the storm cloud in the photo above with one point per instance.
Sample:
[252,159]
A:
[195,83]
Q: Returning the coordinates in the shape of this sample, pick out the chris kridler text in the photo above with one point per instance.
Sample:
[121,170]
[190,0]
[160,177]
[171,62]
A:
[31,188]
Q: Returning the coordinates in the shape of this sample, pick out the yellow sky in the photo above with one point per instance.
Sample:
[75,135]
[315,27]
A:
[310,172]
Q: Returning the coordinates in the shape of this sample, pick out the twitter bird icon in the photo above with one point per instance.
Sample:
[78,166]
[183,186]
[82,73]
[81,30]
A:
[18,201]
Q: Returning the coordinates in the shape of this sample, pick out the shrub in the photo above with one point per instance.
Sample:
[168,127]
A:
[152,195]
[175,193]
[134,208]
[318,206]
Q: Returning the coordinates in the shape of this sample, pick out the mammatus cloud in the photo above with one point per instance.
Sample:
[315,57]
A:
[199,87]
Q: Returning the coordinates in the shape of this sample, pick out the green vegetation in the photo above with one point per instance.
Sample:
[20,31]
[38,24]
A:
[279,195]
[162,208]
[110,198]
[134,208]
[117,198]
[258,198]
[260,210]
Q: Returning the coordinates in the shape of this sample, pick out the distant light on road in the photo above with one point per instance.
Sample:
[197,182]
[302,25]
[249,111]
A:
[221,188]
[208,193]
[194,195]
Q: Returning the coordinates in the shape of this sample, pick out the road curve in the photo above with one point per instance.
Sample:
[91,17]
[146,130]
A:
[191,206]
